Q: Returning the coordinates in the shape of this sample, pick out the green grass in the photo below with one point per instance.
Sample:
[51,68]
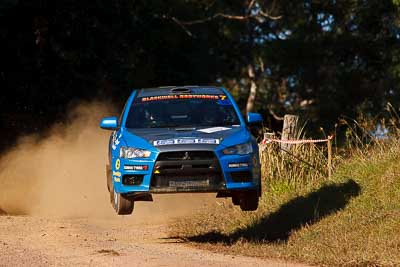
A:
[352,220]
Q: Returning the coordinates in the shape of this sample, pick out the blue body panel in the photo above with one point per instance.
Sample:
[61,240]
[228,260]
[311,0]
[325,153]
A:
[143,139]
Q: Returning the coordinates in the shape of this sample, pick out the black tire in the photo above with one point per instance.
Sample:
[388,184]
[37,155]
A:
[235,200]
[249,201]
[110,185]
[111,192]
[121,204]
[108,177]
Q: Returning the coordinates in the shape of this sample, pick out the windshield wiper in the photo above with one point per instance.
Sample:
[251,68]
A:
[178,127]
[185,129]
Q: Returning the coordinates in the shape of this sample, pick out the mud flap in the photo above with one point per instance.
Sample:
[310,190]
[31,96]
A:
[142,197]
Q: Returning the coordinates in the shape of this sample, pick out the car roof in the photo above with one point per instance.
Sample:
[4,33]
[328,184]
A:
[192,89]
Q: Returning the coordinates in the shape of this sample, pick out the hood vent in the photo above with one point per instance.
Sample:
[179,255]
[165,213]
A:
[181,90]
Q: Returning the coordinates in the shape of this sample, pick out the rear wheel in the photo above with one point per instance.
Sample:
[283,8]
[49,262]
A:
[235,200]
[249,201]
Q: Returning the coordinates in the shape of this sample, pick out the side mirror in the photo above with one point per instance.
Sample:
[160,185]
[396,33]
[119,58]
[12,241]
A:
[109,123]
[253,118]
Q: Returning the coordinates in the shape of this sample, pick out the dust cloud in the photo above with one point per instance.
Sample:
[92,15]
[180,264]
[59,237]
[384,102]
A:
[63,174]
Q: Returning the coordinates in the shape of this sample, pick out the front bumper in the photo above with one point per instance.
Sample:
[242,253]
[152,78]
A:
[205,171]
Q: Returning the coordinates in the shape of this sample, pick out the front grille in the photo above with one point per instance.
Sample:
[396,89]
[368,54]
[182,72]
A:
[186,155]
[186,171]
[243,176]
[187,162]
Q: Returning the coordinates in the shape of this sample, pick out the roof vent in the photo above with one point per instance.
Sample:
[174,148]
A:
[180,91]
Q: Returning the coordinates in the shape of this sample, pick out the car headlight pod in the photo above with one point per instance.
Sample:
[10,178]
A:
[241,149]
[131,152]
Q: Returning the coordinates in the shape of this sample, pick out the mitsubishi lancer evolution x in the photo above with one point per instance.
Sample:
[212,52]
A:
[180,140]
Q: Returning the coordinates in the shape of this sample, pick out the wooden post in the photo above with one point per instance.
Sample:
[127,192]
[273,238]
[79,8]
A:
[290,130]
[329,157]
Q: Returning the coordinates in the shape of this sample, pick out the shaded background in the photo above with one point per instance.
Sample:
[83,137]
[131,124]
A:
[319,59]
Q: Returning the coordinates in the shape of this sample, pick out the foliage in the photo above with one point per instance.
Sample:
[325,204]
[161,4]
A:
[301,165]
[319,58]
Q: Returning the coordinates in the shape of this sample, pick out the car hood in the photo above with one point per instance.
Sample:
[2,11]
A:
[226,136]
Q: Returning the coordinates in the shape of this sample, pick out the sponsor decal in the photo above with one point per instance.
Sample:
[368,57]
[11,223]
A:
[136,167]
[117,174]
[238,165]
[189,96]
[115,140]
[185,141]
[117,164]
[223,101]
[213,129]
[117,179]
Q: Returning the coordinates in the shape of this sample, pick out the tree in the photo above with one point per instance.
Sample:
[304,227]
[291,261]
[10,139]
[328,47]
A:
[323,59]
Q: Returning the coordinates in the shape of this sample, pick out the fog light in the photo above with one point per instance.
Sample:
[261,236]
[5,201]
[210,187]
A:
[132,179]
[136,167]
[238,165]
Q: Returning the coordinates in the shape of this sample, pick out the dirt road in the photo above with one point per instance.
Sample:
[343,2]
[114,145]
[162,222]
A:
[55,186]
[41,241]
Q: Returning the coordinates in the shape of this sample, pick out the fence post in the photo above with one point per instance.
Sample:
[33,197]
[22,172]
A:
[290,130]
[329,157]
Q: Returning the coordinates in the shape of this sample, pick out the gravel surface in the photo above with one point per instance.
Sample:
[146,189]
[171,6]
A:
[43,241]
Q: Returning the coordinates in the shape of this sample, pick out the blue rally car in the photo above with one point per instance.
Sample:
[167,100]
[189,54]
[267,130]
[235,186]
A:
[182,139]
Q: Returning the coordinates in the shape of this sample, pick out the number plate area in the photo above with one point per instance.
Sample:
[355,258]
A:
[189,183]
[170,184]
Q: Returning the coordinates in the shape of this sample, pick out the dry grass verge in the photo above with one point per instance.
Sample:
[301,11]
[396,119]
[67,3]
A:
[352,220]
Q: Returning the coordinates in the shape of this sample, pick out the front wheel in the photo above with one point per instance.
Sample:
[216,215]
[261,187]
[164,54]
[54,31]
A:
[121,204]
[249,201]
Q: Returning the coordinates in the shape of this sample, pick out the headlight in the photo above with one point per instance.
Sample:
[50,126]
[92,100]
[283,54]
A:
[241,149]
[131,152]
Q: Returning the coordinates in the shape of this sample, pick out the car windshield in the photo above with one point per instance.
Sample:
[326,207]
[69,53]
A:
[181,111]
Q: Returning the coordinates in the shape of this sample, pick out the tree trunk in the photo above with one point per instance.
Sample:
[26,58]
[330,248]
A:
[253,89]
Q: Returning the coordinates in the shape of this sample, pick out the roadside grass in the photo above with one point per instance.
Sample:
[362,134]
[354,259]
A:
[351,220]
